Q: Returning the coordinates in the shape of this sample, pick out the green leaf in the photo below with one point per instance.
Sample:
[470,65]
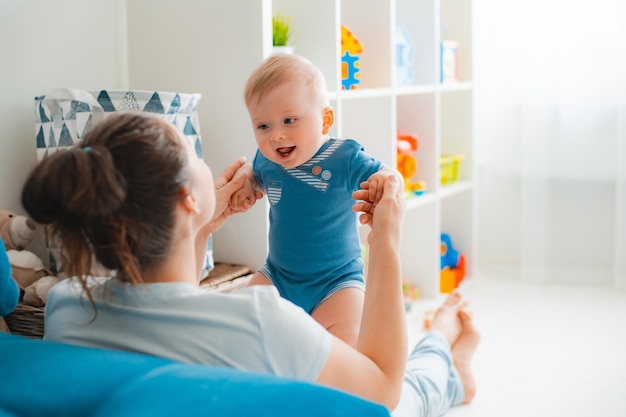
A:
[281,30]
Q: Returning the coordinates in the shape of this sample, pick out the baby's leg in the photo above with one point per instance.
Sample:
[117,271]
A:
[259,279]
[341,313]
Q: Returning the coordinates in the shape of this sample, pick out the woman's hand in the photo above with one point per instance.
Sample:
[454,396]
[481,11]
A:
[225,186]
[389,209]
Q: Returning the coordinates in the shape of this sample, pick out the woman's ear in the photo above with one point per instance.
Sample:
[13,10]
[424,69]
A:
[188,201]
[328,119]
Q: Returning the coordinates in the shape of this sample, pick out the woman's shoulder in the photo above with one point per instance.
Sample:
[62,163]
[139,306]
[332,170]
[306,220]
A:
[72,285]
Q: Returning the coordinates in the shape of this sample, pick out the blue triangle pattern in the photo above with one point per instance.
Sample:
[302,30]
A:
[42,115]
[198,148]
[52,143]
[41,141]
[66,138]
[87,127]
[181,111]
[189,129]
[129,102]
[76,106]
[80,106]
[105,101]
[175,105]
[154,105]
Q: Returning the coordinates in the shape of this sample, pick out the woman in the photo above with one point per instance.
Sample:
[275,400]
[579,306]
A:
[135,200]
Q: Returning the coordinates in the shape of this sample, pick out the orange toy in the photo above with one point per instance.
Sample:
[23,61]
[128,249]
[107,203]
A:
[452,265]
[407,164]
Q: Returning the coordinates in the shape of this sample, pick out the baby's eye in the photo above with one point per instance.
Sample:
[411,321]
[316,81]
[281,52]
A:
[289,120]
[263,127]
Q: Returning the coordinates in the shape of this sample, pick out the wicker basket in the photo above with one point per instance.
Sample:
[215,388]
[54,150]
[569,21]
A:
[26,321]
[226,277]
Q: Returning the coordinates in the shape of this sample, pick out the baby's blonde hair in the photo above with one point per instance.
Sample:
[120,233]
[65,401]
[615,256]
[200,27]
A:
[280,68]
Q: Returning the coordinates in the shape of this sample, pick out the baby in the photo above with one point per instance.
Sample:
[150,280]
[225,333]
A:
[314,256]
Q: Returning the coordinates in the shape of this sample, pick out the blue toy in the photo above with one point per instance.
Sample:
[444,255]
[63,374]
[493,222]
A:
[404,56]
[350,64]
[449,255]
[452,265]
[9,291]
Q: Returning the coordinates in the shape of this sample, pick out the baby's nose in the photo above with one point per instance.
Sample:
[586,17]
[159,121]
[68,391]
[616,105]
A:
[278,135]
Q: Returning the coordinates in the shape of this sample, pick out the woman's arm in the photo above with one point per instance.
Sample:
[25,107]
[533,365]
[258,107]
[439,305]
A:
[226,185]
[374,370]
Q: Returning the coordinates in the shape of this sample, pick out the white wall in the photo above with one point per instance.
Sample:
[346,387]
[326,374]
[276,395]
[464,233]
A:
[551,148]
[182,46]
[46,44]
[136,44]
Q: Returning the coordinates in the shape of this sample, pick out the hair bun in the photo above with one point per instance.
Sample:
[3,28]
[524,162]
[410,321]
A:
[99,189]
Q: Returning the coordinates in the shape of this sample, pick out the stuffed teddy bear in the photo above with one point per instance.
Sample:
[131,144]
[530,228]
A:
[16,231]
[9,291]
[27,269]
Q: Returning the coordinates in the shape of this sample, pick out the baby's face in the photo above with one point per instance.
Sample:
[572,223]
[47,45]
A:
[288,123]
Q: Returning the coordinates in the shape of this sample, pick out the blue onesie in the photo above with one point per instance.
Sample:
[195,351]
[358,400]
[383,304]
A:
[314,247]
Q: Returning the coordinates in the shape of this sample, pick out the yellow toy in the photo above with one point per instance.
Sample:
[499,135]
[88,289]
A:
[350,66]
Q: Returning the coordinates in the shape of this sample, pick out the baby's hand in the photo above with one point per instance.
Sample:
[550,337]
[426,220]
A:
[376,183]
[388,210]
[244,198]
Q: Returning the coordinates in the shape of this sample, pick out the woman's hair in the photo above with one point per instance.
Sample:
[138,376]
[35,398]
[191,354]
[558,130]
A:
[280,68]
[112,197]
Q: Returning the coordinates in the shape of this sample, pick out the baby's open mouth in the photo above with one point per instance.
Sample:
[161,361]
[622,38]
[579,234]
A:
[286,150]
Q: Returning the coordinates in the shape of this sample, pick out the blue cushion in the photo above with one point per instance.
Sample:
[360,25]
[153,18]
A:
[46,378]
[9,291]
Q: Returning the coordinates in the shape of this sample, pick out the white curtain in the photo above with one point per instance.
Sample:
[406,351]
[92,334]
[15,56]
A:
[551,139]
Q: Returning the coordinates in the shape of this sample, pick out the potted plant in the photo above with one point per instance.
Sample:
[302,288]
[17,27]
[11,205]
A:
[282,31]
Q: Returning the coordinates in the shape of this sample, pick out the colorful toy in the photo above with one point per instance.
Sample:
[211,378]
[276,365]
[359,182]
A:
[407,163]
[449,61]
[452,265]
[350,65]
[449,167]
[410,292]
[404,56]
[429,316]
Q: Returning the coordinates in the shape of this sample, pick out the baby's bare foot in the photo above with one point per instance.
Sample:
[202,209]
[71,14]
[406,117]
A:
[447,320]
[463,351]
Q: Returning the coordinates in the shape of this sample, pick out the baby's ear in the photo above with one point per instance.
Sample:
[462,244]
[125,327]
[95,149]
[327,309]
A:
[328,118]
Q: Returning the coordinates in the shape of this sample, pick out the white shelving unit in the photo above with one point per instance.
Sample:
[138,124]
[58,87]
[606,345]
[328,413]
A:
[440,114]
